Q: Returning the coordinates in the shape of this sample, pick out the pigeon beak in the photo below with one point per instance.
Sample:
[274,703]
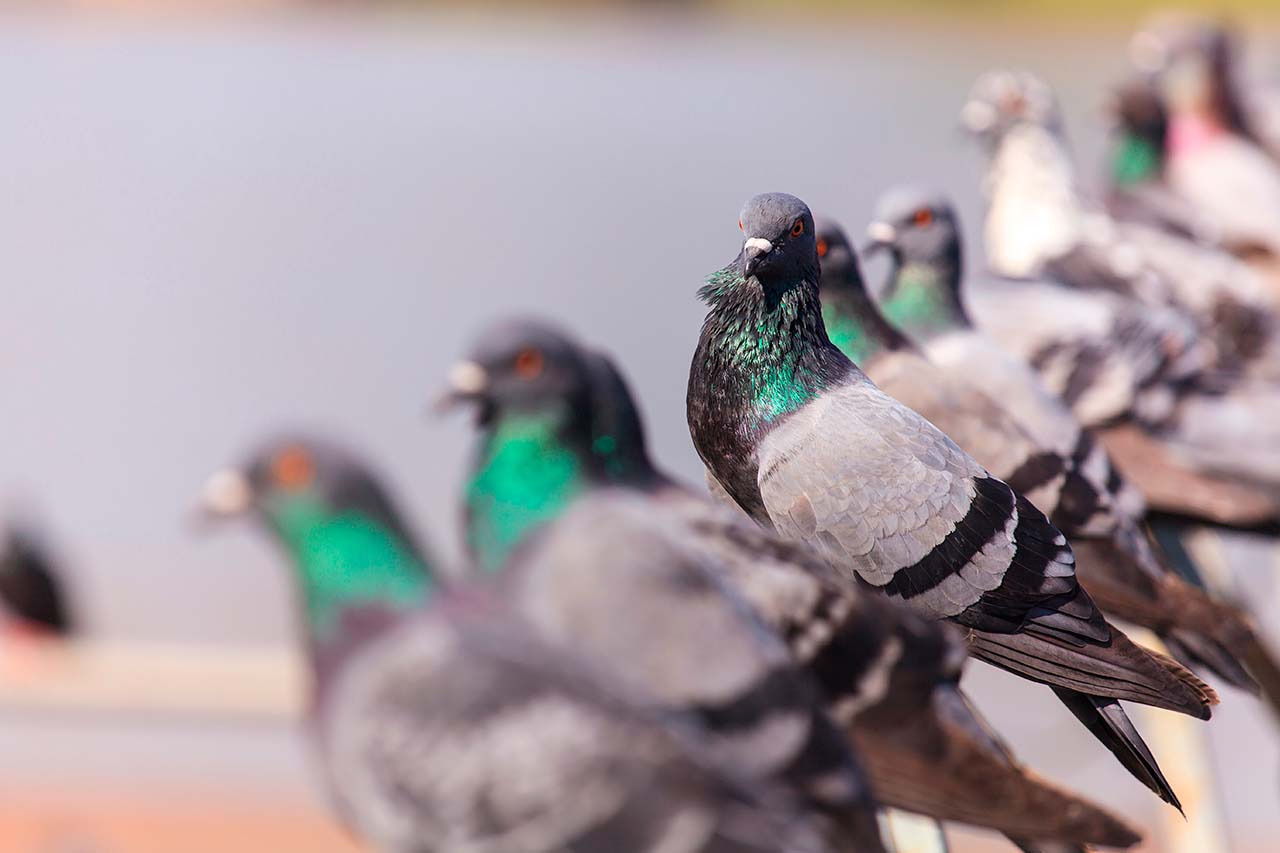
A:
[881,235]
[467,383]
[753,250]
[226,494]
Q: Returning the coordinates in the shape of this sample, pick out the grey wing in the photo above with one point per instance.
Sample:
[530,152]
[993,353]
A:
[970,355]
[881,491]
[863,649]
[1105,355]
[962,410]
[437,744]
[614,577]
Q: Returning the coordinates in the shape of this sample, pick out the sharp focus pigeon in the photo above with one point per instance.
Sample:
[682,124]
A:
[446,725]
[924,749]
[804,443]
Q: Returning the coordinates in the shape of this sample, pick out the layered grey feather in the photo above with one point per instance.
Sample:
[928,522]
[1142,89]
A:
[441,738]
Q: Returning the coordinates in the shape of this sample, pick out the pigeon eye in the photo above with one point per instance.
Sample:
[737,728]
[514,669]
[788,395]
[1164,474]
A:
[740,228]
[292,469]
[923,216]
[798,228]
[823,248]
[529,363]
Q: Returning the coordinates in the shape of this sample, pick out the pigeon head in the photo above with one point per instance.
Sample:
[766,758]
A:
[779,245]
[520,367]
[334,520]
[1137,110]
[532,386]
[919,228]
[1142,126]
[1003,100]
[287,472]
[916,225]
[835,252]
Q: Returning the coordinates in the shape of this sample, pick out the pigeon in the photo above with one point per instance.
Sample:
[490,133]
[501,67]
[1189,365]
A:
[1040,224]
[805,444]
[1204,461]
[1083,493]
[445,724]
[30,589]
[1236,105]
[1213,156]
[889,676]
[595,570]
[1136,189]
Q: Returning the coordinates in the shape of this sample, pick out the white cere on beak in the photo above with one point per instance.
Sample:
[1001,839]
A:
[978,116]
[882,232]
[227,492]
[467,377]
[758,243]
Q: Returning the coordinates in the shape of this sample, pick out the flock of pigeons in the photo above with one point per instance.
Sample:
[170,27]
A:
[958,464]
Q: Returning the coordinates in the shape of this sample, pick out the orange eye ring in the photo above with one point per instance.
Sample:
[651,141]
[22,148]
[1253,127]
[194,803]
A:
[922,217]
[823,248]
[529,363]
[292,469]
[798,228]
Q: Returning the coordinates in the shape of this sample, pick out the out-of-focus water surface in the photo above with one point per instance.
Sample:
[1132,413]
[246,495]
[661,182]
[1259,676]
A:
[212,233]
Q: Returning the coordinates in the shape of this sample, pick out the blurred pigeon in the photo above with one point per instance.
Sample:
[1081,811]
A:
[1039,223]
[799,437]
[30,589]
[889,676]
[443,724]
[1212,155]
[596,570]
[1069,478]
[1234,103]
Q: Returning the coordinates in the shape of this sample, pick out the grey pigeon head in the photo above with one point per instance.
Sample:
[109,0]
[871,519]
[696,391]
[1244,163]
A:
[916,224]
[292,470]
[521,366]
[835,252]
[779,241]
[1003,100]
[1137,110]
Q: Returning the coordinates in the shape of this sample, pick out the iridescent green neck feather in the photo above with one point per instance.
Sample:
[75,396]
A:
[922,300]
[1136,160]
[772,347]
[853,322]
[526,475]
[347,559]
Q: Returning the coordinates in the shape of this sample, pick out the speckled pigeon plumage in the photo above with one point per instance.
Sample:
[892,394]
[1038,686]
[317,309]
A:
[444,724]
[806,444]
[1081,491]
[1040,224]
[888,674]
